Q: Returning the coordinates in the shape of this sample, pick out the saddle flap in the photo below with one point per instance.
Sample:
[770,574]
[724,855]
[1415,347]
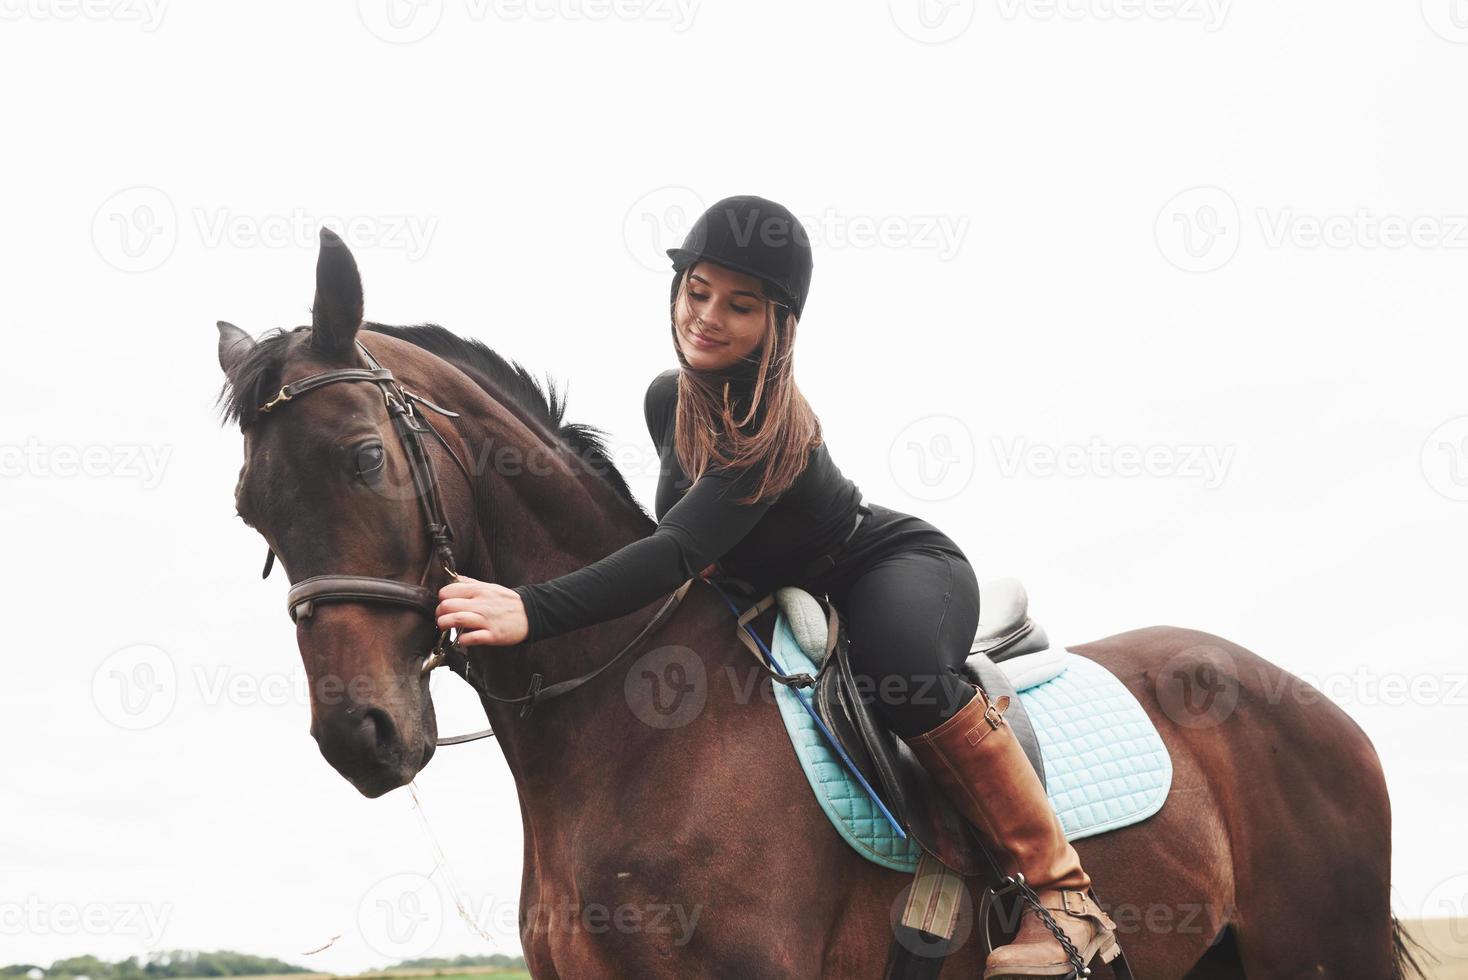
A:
[833,711]
[892,768]
[996,682]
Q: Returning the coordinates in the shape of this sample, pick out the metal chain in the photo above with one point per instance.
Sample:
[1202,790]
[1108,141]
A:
[1016,882]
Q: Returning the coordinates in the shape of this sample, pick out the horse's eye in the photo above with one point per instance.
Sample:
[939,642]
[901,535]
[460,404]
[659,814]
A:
[369,459]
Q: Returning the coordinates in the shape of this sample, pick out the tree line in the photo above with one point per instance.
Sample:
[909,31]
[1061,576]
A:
[160,965]
[221,963]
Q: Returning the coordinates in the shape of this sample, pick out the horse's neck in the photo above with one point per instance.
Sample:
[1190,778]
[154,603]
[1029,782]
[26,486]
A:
[571,750]
[540,514]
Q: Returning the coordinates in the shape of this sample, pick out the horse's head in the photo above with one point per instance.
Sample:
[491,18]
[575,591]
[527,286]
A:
[328,482]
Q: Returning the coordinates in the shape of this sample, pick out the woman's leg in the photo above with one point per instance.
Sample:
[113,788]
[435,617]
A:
[910,619]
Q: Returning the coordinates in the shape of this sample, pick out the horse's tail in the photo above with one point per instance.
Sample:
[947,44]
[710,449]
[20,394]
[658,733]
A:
[1404,960]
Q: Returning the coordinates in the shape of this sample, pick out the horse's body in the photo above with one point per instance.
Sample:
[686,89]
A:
[698,850]
[1276,829]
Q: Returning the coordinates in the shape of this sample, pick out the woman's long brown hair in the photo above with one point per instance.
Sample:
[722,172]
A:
[705,431]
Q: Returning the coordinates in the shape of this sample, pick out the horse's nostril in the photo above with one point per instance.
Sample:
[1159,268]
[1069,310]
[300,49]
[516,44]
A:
[378,734]
[359,741]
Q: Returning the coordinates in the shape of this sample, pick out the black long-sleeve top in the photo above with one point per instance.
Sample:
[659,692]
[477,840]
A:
[766,543]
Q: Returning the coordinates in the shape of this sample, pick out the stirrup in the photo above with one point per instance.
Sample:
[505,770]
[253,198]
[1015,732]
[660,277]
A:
[1016,882]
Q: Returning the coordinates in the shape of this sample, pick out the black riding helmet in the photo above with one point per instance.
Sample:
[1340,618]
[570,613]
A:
[753,235]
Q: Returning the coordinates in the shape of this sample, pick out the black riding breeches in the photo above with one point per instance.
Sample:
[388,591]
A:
[910,601]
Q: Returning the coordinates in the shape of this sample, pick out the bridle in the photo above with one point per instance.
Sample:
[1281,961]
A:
[413,429]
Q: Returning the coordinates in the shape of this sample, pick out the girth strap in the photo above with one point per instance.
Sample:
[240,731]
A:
[742,629]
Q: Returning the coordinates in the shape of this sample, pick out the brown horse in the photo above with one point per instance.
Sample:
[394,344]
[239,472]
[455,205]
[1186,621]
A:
[668,830]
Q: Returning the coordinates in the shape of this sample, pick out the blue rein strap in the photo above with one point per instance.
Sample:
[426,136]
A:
[805,703]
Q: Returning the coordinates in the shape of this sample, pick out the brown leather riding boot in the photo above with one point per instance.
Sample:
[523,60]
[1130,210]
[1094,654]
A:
[977,761]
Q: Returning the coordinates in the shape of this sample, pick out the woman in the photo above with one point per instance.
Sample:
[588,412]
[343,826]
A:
[767,504]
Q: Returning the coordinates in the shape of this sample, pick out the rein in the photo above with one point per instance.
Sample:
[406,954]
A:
[537,693]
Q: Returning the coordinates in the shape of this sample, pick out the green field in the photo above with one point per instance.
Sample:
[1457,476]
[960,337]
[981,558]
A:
[462,973]
[1445,940]
[470,974]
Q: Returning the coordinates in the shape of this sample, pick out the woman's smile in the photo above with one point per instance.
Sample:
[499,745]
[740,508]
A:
[721,317]
[706,342]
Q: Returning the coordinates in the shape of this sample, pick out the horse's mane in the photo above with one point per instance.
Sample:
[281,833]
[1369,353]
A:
[257,377]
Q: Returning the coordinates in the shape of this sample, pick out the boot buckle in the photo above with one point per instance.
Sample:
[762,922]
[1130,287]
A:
[994,711]
[1074,902]
[993,715]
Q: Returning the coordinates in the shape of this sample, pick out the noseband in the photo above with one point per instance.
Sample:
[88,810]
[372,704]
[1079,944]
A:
[412,428]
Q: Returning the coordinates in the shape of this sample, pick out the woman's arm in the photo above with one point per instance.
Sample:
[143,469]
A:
[695,532]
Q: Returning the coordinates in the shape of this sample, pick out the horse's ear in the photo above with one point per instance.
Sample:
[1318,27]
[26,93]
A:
[336,312]
[234,344]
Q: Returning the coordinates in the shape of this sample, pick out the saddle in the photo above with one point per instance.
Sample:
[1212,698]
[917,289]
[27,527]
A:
[1007,631]
[881,757]
[946,845]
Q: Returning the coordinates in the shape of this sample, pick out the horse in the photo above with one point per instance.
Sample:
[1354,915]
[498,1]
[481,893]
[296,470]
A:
[694,843]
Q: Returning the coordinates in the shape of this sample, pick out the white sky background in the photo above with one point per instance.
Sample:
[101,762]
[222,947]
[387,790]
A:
[514,177]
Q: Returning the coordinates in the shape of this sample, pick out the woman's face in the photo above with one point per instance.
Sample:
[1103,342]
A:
[725,319]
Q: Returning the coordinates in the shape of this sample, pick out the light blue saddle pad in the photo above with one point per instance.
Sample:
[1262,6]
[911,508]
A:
[1105,764]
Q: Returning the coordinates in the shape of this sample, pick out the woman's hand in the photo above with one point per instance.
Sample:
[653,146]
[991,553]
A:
[483,612]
